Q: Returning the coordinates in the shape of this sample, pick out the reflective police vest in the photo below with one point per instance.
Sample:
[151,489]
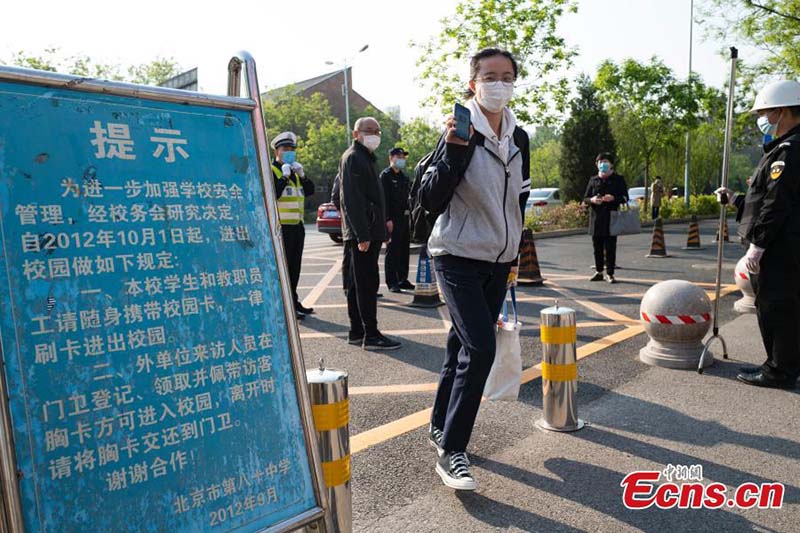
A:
[291,204]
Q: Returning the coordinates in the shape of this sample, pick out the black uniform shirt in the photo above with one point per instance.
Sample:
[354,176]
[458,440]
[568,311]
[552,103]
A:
[395,187]
[770,212]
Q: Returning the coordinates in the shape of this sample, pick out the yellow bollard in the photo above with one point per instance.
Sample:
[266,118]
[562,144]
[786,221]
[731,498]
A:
[331,409]
[559,370]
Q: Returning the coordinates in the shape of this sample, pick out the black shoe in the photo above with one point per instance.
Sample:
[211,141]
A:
[453,468]
[305,310]
[760,379]
[407,285]
[598,276]
[748,369]
[380,342]
[610,278]
[355,338]
[436,437]
[379,295]
[395,288]
[299,315]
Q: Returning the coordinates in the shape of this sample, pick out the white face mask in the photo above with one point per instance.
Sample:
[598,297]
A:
[493,95]
[371,142]
[766,127]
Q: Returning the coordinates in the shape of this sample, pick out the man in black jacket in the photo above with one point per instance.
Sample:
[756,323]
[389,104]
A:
[769,224]
[605,192]
[363,213]
[395,186]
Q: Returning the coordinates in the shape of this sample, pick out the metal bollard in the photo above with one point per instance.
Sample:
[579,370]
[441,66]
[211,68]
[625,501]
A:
[331,409]
[559,370]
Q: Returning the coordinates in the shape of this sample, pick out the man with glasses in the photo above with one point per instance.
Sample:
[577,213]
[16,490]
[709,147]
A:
[363,210]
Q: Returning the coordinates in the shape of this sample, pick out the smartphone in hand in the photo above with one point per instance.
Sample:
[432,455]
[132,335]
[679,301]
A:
[463,120]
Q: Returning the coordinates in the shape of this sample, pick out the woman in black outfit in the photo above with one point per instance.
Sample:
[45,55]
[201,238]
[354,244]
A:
[605,193]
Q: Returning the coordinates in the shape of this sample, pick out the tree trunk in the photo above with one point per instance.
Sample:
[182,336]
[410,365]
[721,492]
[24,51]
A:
[646,181]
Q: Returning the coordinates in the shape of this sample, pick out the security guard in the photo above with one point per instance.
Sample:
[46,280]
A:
[769,223]
[395,188]
[291,188]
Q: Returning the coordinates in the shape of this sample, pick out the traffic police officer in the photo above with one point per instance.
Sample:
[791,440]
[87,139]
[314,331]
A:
[291,188]
[395,186]
[769,223]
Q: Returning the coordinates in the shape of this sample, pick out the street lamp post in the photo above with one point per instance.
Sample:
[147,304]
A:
[346,89]
[688,134]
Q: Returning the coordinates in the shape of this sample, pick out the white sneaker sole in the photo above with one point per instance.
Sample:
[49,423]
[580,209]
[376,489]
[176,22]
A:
[457,484]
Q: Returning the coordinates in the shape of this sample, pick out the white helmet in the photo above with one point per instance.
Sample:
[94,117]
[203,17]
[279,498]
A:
[287,138]
[784,93]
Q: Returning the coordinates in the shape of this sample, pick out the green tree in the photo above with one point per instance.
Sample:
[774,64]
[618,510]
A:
[585,134]
[418,137]
[647,102]
[52,60]
[526,28]
[769,25]
[545,164]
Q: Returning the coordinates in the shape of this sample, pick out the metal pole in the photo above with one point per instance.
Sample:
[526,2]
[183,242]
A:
[331,407]
[688,133]
[726,158]
[559,370]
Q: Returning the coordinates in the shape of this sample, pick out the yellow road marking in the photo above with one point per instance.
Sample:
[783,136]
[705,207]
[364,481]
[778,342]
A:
[317,291]
[377,435]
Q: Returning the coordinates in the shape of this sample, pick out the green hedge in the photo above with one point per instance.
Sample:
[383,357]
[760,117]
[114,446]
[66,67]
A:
[575,215]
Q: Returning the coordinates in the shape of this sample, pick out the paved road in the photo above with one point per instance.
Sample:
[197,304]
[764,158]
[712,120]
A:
[640,417]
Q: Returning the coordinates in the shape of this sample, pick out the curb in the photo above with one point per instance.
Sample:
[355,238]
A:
[582,231]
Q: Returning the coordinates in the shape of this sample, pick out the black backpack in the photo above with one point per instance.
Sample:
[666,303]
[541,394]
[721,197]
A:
[422,220]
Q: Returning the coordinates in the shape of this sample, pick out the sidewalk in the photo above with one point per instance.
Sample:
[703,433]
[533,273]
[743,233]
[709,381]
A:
[571,482]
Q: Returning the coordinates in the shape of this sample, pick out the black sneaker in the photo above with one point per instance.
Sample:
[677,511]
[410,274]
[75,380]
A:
[611,279]
[298,315]
[380,342]
[598,276]
[356,339]
[395,288]
[453,468]
[436,437]
[407,285]
[305,310]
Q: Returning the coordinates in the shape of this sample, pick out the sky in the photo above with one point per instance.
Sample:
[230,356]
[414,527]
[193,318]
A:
[291,41]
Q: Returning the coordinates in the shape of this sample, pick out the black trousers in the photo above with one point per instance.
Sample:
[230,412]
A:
[362,292]
[474,292]
[778,313]
[605,253]
[654,213]
[294,238]
[397,252]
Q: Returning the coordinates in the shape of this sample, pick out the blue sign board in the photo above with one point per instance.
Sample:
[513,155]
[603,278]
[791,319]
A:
[145,344]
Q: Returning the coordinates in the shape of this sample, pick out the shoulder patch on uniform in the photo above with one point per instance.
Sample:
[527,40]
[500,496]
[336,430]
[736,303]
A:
[776,169]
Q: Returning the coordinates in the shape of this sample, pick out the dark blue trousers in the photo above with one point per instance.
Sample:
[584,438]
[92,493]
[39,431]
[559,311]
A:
[474,293]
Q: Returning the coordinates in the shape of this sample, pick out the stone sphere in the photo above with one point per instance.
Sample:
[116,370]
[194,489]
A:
[747,303]
[676,315]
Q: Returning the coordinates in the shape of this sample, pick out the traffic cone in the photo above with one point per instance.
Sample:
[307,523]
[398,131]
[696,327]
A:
[693,239]
[725,235]
[426,293]
[529,272]
[658,247]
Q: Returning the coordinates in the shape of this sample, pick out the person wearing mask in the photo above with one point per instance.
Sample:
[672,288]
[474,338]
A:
[363,213]
[479,187]
[291,188]
[395,186]
[769,225]
[605,192]
[656,196]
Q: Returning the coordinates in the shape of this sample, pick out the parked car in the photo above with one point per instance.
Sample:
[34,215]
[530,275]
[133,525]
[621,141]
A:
[329,221]
[543,198]
[636,196]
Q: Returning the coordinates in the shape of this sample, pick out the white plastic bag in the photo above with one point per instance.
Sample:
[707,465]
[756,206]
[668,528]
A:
[506,374]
